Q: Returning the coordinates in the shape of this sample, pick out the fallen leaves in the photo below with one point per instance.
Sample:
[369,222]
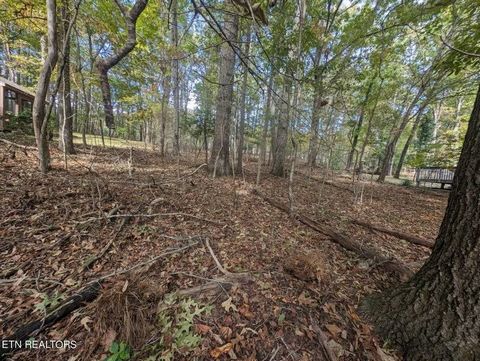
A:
[85,321]
[219,351]
[228,305]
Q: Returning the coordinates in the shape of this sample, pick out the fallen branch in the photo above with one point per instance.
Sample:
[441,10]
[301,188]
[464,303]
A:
[91,260]
[185,175]
[407,237]
[87,294]
[364,251]
[328,353]
[217,283]
[145,215]
[24,147]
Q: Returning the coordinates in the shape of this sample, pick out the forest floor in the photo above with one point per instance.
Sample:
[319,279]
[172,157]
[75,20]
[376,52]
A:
[107,213]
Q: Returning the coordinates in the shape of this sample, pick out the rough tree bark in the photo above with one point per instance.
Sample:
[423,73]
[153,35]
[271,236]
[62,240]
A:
[65,126]
[241,128]
[219,163]
[38,111]
[104,65]
[436,315]
[281,136]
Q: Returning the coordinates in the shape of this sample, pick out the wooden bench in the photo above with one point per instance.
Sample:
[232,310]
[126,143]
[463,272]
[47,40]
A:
[434,175]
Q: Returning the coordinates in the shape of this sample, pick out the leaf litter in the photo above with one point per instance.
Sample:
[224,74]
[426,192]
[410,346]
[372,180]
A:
[303,301]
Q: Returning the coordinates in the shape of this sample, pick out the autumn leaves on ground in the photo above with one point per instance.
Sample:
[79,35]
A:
[196,268]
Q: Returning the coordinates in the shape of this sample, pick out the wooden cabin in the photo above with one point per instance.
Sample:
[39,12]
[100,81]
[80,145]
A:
[433,175]
[14,99]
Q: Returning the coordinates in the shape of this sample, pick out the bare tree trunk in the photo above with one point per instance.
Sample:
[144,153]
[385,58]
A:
[407,143]
[368,130]
[434,316]
[395,134]
[266,120]
[65,141]
[241,129]
[164,113]
[318,103]
[219,163]
[358,127]
[40,120]
[176,77]
[280,150]
[104,65]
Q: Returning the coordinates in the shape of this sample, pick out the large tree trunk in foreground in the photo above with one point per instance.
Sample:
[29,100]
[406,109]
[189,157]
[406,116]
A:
[40,120]
[104,65]
[65,127]
[435,315]
[219,163]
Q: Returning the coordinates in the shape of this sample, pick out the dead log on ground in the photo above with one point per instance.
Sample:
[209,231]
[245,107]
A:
[24,147]
[407,237]
[87,294]
[364,251]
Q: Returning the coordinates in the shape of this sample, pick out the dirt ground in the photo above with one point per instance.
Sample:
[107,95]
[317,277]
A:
[299,301]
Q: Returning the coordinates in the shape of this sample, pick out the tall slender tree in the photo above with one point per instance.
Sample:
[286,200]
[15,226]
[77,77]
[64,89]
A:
[219,163]
[39,116]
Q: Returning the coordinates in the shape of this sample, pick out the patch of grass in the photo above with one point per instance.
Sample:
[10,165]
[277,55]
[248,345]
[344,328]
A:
[96,140]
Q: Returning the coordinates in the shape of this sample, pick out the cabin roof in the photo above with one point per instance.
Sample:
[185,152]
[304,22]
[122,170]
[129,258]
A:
[11,84]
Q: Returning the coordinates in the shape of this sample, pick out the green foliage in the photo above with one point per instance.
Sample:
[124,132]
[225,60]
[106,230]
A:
[49,302]
[21,122]
[119,351]
[176,320]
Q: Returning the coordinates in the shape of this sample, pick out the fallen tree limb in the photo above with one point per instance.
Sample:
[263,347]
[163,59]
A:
[24,147]
[91,260]
[364,251]
[219,283]
[407,237]
[87,294]
[171,214]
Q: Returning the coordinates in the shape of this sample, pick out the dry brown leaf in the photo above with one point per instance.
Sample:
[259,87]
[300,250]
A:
[85,321]
[244,310]
[228,305]
[333,329]
[201,328]
[226,332]
[219,351]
